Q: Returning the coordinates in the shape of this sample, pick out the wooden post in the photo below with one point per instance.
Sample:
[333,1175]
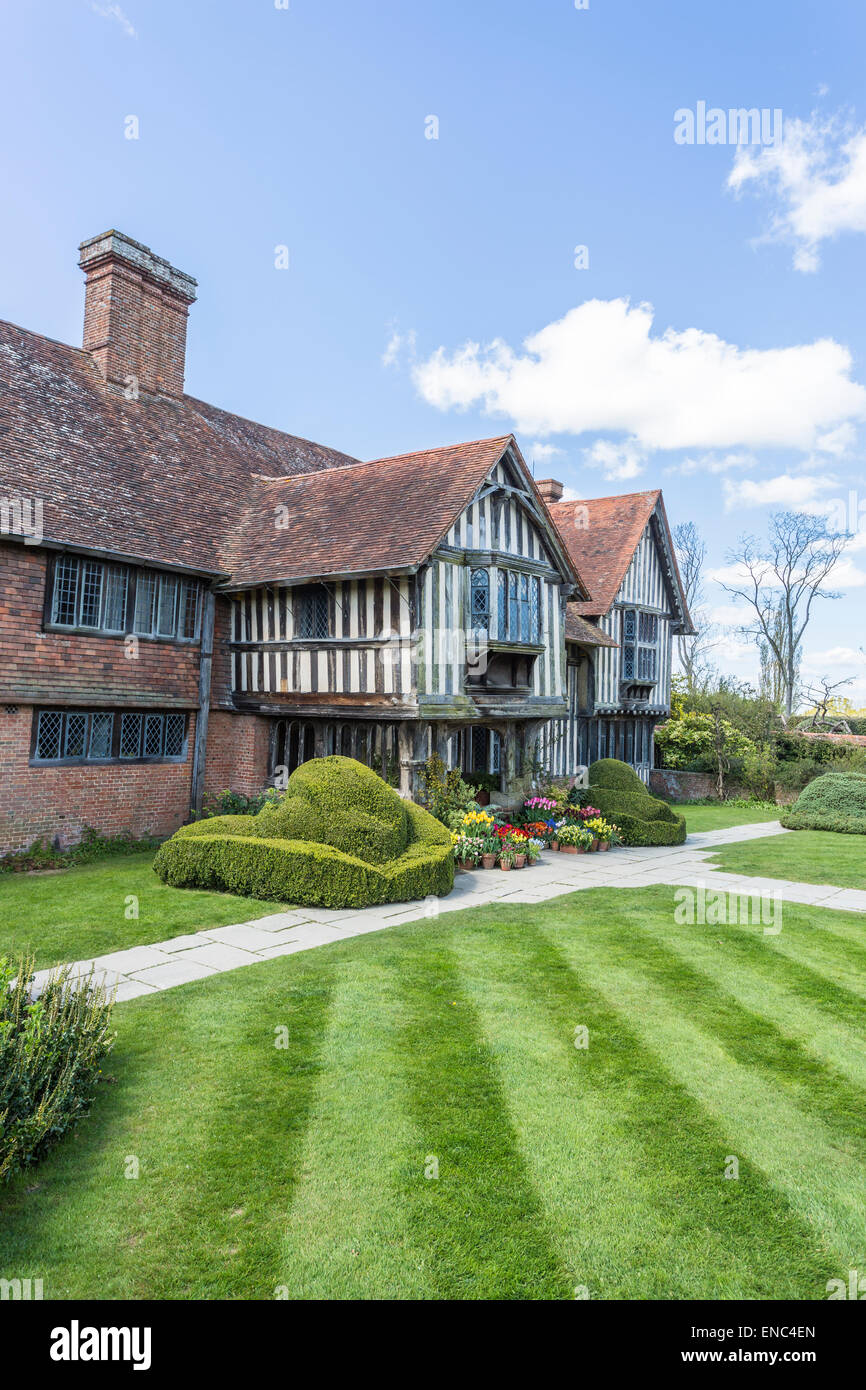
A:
[204,685]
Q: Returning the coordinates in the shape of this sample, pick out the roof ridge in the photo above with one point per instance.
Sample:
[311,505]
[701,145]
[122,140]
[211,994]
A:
[611,497]
[34,333]
[440,448]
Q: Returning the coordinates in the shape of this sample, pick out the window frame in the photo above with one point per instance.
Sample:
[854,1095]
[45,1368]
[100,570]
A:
[310,601]
[640,651]
[130,583]
[519,618]
[114,756]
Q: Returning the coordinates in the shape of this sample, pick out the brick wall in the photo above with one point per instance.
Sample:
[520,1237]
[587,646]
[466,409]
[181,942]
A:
[237,753]
[57,803]
[51,667]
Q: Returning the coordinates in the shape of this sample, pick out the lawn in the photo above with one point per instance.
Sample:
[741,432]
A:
[808,856]
[718,816]
[81,912]
[431,1130]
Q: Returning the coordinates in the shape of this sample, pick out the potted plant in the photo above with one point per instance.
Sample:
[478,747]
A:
[489,851]
[533,851]
[506,857]
[569,838]
[600,831]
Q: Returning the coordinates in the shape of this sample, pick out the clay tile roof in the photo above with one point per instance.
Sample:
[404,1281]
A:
[154,479]
[601,535]
[179,482]
[579,629]
[387,514]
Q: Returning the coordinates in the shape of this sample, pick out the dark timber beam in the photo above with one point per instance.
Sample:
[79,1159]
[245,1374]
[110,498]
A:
[204,685]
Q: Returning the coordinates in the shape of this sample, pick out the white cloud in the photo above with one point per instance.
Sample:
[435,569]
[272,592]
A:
[618,462]
[815,179]
[398,344]
[601,369]
[837,441]
[713,463]
[793,492]
[727,615]
[544,452]
[116,13]
[834,659]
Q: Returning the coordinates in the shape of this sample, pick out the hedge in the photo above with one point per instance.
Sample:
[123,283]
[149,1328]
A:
[835,801]
[622,797]
[341,837]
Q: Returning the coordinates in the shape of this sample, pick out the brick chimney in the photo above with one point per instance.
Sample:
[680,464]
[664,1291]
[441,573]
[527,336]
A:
[135,310]
[550,489]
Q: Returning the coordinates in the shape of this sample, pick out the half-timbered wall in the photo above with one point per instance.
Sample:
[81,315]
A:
[407,637]
[369,650]
[602,727]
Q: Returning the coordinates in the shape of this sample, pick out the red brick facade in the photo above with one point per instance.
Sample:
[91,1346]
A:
[40,668]
[58,803]
[238,749]
[56,668]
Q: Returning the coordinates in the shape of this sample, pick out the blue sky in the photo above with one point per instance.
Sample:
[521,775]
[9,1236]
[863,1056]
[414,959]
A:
[742,388]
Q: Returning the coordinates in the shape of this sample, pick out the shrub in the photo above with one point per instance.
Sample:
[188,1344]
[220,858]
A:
[689,741]
[341,837]
[622,798]
[835,801]
[444,794]
[50,1051]
[229,803]
[92,846]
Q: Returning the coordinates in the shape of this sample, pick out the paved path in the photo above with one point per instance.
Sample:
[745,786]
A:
[146,969]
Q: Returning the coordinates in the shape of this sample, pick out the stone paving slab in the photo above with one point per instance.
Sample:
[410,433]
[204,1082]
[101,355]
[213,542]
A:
[141,970]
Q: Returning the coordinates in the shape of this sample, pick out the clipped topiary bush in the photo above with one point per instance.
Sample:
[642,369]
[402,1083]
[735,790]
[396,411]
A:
[835,801]
[341,837]
[622,797]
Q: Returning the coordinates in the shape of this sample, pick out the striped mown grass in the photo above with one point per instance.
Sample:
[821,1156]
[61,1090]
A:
[406,1115]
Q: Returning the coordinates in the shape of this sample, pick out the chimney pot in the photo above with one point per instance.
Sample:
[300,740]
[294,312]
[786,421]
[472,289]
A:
[135,312]
[551,489]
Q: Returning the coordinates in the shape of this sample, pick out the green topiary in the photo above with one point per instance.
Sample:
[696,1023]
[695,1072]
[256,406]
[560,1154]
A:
[610,772]
[341,837]
[835,801]
[617,791]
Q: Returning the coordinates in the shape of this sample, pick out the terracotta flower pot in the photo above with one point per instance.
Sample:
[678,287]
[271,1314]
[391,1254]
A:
[604,844]
[594,845]
[506,868]
[488,861]
[483,798]
[581,849]
[519,861]
[554,844]
[568,849]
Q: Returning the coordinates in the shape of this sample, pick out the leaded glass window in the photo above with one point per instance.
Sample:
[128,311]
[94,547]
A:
[480,592]
[502,593]
[95,595]
[312,613]
[101,731]
[100,735]
[49,734]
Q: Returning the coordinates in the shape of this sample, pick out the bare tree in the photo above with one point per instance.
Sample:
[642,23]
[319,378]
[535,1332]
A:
[780,581]
[692,651]
[822,697]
